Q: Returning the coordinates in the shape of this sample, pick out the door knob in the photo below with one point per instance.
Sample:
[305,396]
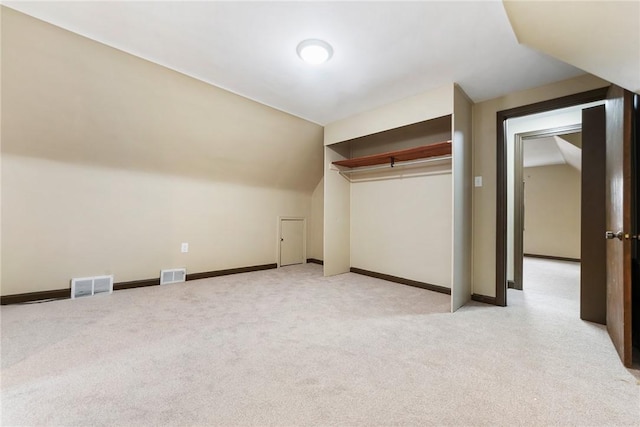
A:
[620,236]
[610,235]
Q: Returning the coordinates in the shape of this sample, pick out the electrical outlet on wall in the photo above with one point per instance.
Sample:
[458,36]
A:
[184,248]
[478,181]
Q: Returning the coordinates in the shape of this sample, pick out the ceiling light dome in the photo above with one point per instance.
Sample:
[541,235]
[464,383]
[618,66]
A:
[314,51]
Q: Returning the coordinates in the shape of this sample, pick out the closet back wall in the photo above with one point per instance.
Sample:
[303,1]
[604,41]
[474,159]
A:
[109,162]
[402,226]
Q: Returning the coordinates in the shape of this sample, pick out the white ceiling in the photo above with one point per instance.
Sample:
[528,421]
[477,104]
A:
[572,154]
[550,150]
[541,152]
[383,51]
[601,37]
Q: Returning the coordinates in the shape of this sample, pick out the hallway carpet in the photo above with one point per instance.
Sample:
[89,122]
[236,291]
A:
[291,347]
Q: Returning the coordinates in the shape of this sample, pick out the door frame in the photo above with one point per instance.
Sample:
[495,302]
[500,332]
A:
[279,237]
[501,172]
[635,225]
[518,196]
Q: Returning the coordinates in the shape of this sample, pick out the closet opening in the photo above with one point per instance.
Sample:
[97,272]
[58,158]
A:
[398,195]
[400,203]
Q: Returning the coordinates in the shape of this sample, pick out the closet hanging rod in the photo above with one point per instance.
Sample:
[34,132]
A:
[394,164]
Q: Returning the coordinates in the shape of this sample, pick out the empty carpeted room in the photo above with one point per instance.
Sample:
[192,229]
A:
[303,213]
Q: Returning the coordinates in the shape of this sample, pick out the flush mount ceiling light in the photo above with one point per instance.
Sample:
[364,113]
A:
[314,51]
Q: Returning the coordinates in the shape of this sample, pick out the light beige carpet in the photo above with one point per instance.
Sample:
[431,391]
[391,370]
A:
[290,347]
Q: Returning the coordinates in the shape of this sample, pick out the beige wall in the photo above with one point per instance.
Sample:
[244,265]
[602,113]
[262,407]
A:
[337,214]
[418,108]
[401,223]
[552,215]
[315,245]
[462,168]
[484,149]
[109,162]
[66,220]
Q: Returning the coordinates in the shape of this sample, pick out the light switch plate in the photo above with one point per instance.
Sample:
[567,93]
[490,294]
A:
[184,248]
[477,181]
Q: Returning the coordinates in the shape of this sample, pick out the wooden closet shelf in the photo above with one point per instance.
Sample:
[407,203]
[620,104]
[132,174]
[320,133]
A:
[423,152]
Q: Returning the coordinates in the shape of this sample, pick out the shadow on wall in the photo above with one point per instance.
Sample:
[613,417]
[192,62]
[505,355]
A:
[83,102]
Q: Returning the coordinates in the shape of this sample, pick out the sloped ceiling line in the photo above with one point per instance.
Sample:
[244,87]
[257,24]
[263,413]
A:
[383,51]
[571,154]
[600,37]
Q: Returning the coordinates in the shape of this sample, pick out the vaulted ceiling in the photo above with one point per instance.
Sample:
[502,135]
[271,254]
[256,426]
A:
[551,150]
[601,37]
[383,51]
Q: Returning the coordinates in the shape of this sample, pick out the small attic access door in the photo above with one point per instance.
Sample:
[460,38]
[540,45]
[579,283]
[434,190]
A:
[292,241]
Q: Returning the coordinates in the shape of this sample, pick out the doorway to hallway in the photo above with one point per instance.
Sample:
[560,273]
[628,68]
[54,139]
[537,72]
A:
[544,218]
[620,202]
[545,211]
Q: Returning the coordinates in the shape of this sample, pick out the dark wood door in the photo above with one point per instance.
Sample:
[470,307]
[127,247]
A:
[593,248]
[619,111]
